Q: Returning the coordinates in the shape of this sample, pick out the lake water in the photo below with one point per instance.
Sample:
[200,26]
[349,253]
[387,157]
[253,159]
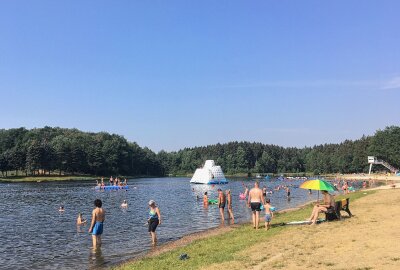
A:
[34,235]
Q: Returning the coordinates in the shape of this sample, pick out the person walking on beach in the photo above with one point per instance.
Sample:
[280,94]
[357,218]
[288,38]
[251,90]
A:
[96,226]
[268,214]
[221,203]
[255,199]
[154,220]
[229,202]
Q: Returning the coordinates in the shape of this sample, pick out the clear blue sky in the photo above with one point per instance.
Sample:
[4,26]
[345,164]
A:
[174,74]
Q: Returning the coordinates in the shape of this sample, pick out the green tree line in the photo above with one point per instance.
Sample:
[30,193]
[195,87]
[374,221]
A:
[70,151]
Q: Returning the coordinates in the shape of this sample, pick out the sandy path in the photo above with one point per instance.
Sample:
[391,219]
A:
[369,240]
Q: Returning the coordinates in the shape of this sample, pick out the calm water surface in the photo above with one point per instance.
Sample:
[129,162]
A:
[34,235]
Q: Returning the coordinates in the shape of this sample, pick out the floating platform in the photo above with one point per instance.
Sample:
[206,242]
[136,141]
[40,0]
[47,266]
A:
[111,188]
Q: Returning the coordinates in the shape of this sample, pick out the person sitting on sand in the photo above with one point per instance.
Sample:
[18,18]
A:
[329,202]
[124,204]
[80,220]
[268,214]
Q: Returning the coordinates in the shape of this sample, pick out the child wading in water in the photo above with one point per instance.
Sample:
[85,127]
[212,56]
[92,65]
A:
[268,214]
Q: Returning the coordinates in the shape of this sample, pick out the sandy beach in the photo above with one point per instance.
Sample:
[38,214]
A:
[369,240]
[372,177]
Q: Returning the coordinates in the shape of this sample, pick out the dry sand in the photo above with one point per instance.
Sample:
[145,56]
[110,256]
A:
[369,240]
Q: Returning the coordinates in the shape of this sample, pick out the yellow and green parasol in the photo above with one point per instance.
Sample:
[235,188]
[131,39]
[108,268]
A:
[318,184]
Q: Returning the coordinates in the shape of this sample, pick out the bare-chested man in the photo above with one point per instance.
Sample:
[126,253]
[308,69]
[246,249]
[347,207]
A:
[255,199]
[96,226]
[221,203]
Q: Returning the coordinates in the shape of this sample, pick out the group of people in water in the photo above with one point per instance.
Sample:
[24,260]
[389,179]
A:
[112,182]
[257,201]
[98,216]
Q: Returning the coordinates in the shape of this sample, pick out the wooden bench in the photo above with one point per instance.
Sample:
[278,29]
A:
[342,205]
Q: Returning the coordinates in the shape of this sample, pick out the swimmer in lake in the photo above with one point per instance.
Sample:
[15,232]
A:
[124,204]
[61,209]
[80,220]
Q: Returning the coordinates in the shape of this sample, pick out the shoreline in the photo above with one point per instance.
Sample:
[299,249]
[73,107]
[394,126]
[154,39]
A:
[201,235]
[54,178]
[170,251]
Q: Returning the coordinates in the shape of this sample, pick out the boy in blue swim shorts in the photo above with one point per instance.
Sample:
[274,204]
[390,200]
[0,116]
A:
[268,214]
[96,226]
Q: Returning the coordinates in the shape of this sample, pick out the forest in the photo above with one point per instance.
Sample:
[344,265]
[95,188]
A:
[50,151]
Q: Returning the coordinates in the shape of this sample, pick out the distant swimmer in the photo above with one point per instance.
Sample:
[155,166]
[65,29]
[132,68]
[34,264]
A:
[124,204]
[80,220]
[111,180]
[61,209]
[246,191]
[96,226]
[205,199]
[288,192]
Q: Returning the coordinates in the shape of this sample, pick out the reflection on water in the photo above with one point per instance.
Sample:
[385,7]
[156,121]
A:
[96,259]
[35,235]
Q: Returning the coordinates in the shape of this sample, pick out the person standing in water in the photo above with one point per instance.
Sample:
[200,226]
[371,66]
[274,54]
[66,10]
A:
[288,192]
[96,226]
[154,220]
[229,201]
[205,200]
[221,203]
[80,220]
[255,199]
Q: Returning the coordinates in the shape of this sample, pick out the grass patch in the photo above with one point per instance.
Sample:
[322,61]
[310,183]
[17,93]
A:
[47,178]
[225,247]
